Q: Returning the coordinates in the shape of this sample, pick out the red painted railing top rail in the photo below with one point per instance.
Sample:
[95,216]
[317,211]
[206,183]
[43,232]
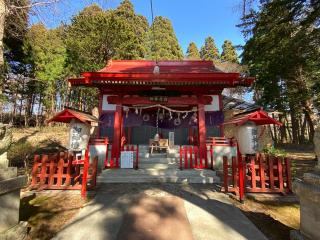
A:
[220,141]
[98,141]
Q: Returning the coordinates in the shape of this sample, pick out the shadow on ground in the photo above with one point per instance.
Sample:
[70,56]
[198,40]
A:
[113,201]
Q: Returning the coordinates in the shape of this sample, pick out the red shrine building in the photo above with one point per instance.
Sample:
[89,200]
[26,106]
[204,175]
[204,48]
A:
[139,99]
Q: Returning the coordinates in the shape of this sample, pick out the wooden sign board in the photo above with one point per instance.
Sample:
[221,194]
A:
[79,136]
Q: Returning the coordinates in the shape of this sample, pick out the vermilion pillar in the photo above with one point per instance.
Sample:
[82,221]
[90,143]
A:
[202,130]
[117,131]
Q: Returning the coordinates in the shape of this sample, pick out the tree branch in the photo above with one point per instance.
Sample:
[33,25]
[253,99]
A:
[34,4]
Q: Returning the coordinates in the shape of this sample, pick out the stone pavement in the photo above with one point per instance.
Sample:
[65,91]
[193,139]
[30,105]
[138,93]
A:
[149,212]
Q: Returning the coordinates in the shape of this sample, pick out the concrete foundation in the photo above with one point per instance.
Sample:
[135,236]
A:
[308,191]
[10,201]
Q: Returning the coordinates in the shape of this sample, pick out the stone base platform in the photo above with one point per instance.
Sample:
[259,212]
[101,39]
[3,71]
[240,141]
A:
[308,191]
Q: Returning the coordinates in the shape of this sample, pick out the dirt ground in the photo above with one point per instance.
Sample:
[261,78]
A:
[47,212]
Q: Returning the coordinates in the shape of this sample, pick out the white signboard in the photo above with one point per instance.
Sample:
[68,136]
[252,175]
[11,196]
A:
[171,139]
[126,159]
[79,136]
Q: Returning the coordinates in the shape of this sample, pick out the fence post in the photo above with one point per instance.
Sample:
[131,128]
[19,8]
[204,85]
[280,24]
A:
[261,159]
[68,177]
[241,178]
[180,157]
[44,159]
[107,155]
[288,174]
[253,173]
[195,156]
[225,173]
[280,173]
[51,169]
[190,152]
[185,157]
[234,172]
[60,168]
[35,170]
[271,175]
[206,159]
[211,156]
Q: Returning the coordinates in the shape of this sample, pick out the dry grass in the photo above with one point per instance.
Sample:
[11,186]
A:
[30,141]
[41,137]
[47,213]
[275,219]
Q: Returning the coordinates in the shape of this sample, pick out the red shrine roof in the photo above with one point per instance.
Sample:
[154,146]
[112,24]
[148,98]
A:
[142,66]
[67,115]
[143,72]
[259,117]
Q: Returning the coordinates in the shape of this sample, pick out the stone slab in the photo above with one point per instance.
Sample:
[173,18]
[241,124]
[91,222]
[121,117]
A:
[9,209]
[11,184]
[9,172]
[308,191]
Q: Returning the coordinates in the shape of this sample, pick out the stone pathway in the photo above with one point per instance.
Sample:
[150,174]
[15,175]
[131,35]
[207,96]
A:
[160,211]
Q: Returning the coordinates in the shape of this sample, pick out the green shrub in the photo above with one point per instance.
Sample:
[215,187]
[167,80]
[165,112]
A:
[20,154]
[275,151]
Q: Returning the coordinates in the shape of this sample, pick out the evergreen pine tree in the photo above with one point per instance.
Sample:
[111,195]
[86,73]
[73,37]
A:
[209,51]
[229,53]
[162,41]
[192,52]
[133,32]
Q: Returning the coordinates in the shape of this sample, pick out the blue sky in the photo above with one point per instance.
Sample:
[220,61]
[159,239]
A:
[193,20]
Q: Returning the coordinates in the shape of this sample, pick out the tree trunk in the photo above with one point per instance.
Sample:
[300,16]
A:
[294,124]
[3,13]
[311,117]
[283,134]
[303,129]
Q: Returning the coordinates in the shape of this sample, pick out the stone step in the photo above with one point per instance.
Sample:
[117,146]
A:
[157,172]
[158,160]
[160,179]
[148,155]
[159,166]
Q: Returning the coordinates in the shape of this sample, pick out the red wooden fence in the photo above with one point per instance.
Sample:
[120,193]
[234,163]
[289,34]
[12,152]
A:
[262,173]
[57,171]
[190,158]
[111,162]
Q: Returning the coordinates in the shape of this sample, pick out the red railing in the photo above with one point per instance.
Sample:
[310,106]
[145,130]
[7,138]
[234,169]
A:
[219,141]
[261,173]
[190,158]
[114,162]
[58,172]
